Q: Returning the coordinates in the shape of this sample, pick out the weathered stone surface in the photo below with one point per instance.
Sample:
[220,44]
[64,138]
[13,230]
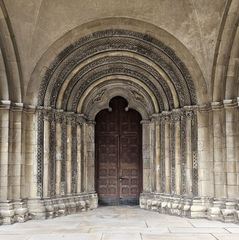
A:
[175,62]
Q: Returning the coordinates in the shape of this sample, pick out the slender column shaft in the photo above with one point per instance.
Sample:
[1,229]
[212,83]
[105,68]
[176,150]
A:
[58,155]
[157,156]
[4,135]
[84,158]
[46,157]
[167,157]
[90,170]
[220,176]
[30,144]
[79,157]
[205,159]
[189,160]
[69,156]
[147,186]
[177,157]
[231,110]
[16,152]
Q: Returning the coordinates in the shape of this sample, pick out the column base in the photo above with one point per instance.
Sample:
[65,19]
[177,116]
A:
[21,211]
[7,212]
[62,205]
[192,207]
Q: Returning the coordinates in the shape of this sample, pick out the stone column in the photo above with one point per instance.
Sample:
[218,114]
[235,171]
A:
[4,144]
[205,159]
[46,155]
[167,153]
[188,152]
[177,142]
[220,176]
[157,154]
[146,129]
[84,157]
[90,141]
[79,154]
[58,117]
[231,112]
[16,128]
[69,154]
[34,155]
[6,207]
[30,150]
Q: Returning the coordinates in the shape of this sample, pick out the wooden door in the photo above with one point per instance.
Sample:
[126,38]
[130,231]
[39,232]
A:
[118,154]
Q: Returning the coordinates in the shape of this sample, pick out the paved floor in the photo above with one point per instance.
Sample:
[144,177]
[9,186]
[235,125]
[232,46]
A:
[127,223]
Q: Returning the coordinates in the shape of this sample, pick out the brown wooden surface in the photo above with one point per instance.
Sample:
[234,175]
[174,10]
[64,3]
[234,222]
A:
[118,154]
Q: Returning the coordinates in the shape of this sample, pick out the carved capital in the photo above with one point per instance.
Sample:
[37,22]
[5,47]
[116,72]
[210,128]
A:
[176,115]
[189,114]
[91,122]
[48,114]
[205,108]
[230,103]
[156,117]
[59,116]
[165,117]
[70,118]
[217,105]
[80,119]
[18,107]
[5,104]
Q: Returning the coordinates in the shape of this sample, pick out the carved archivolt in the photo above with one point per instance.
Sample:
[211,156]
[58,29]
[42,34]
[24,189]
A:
[89,73]
[150,52]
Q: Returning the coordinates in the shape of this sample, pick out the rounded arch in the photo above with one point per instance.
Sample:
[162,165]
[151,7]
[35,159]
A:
[11,81]
[146,40]
[100,98]
[224,76]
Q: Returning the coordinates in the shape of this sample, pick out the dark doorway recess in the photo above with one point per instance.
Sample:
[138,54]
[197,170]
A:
[118,154]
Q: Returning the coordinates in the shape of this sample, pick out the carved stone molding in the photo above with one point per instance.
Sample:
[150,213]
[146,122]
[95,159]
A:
[5,104]
[98,97]
[70,118]
[176,115]
[80,119]
[59,116]
[217,105]
[18,107]
[138,96]
[166,117]
[128,41]
[230,103]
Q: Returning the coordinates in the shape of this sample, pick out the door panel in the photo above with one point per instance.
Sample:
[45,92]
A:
[118,154]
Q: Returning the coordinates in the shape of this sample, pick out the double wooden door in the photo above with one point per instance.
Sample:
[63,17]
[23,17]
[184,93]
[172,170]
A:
[118,154]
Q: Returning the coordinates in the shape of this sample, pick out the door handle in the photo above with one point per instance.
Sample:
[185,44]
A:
[121,178]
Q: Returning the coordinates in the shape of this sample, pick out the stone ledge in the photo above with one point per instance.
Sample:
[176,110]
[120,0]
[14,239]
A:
[225,210]
[21,211]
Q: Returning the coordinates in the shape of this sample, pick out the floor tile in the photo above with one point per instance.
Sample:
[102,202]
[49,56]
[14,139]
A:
[177,237]
[120,222]
[198,230]
[233,230]
[226,236]
[121,236]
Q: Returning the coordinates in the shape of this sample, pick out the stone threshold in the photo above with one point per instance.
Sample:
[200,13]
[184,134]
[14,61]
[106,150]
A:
[45,208]
[225,210]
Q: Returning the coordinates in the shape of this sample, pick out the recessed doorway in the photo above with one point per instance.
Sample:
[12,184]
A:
[118,154]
